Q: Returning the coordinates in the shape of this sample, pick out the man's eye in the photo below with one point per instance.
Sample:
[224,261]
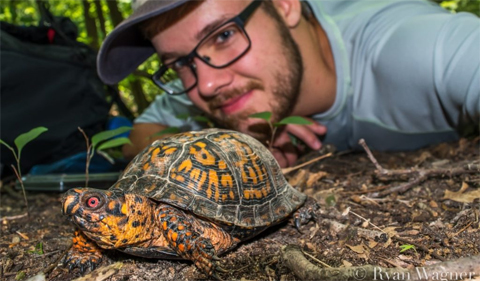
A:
[223,36]
[179,64]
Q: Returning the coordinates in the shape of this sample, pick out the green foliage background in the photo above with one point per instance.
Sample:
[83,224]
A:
[137,89]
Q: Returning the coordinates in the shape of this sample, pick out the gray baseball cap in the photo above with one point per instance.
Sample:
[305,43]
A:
[125,48]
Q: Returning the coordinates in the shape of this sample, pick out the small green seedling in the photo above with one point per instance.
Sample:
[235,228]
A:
[407,247]
[102,141]
[20,142]
[20,275]
[38,249]
[267,116]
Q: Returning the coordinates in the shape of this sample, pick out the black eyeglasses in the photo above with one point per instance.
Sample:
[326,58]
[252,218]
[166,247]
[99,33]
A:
[219,48]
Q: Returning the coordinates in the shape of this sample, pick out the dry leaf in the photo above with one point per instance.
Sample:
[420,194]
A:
[361,250]
[314,177]
[372,244]
[299,178]
[346,263]
[460,196]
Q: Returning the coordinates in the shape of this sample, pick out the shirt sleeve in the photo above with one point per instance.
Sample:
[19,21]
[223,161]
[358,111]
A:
[165,110]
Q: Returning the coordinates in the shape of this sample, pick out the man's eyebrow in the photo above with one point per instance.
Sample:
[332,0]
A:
[211,27]
[169,55]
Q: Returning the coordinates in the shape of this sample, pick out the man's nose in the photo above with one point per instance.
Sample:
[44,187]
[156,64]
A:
[211,80]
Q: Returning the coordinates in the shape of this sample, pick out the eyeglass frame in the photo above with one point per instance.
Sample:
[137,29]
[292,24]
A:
[239,20]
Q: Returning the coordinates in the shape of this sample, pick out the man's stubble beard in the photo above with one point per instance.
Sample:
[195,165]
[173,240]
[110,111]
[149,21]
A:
[285,92]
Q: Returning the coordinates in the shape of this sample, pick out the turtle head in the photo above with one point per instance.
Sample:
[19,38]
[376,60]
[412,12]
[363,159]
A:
[109,217]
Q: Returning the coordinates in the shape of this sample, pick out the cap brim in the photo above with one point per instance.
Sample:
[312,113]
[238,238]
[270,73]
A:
[125,48]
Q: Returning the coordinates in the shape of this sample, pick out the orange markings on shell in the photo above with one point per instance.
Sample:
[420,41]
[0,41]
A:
[212,182]
[226,180]
[252,175]
[185,165]
[170,150]
[222,165]
[146,166]
[155,153]
[194,174]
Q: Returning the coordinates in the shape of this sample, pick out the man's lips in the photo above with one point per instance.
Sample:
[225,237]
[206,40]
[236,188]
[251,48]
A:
[235,104]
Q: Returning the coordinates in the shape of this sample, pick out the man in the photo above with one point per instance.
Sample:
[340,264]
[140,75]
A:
[401,74]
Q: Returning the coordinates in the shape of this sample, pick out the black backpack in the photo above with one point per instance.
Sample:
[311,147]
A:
[49,79]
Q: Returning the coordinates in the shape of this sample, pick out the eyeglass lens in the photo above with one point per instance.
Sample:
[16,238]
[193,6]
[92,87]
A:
[219,49]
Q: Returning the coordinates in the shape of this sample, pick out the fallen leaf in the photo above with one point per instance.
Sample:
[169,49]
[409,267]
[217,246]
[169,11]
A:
[299,179]
[314,177]
[460,196]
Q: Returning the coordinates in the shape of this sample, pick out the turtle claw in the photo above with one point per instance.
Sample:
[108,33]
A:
[305,214]
[83,261]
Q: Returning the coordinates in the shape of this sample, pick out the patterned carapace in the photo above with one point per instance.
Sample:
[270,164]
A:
[191,196]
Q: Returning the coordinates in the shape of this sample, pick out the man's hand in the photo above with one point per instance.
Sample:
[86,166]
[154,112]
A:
[285,151]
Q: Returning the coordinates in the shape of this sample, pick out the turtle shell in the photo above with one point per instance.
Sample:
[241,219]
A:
[223,176]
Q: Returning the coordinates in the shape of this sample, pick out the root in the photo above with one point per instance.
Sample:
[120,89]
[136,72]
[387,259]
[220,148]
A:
[463,268]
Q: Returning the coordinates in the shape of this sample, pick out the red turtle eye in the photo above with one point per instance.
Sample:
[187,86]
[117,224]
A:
[93,202]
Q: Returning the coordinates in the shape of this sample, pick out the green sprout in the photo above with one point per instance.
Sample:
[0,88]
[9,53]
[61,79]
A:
[267,116]
[20,141]
[38,249]
[407,247]
[102,141]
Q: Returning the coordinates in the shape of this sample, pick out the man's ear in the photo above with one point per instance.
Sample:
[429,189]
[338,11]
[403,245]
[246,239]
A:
[290,11]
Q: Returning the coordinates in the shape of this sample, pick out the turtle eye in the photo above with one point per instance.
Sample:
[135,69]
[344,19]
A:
[93,202]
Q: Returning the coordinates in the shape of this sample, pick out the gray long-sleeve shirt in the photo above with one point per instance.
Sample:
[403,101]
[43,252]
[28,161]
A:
[408,75]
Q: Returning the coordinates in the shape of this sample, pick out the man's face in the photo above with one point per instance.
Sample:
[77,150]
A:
[266,78]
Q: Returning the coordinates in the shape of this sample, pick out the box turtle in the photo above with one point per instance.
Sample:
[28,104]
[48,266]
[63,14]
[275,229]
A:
[190,196]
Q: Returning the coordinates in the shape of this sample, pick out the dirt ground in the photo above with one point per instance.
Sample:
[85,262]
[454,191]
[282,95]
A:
[360,222]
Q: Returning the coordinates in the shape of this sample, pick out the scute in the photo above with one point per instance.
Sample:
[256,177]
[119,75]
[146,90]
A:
[220,175]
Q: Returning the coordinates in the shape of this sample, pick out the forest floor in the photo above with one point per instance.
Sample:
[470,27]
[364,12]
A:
[362,221]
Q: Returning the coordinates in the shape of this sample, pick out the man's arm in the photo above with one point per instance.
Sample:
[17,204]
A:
[141,136]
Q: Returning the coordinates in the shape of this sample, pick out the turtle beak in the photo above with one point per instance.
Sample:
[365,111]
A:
[71,201]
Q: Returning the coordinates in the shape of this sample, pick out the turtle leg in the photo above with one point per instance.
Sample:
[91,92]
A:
[83,254]
[306,213]
[191,238]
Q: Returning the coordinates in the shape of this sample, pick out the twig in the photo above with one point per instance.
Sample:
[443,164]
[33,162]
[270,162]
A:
[316,260]
[89,147]
[422,176]
[288,170]
[370,155]
[9,218]
[419,174]
[461,230]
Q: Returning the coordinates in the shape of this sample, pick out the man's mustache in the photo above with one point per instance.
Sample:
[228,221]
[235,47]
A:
[219,100]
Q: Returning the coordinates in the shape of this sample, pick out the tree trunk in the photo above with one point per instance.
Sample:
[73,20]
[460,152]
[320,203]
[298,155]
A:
[90,25]
[135,85]
[115,15]
[101,18]
[138,95]
[13,10]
